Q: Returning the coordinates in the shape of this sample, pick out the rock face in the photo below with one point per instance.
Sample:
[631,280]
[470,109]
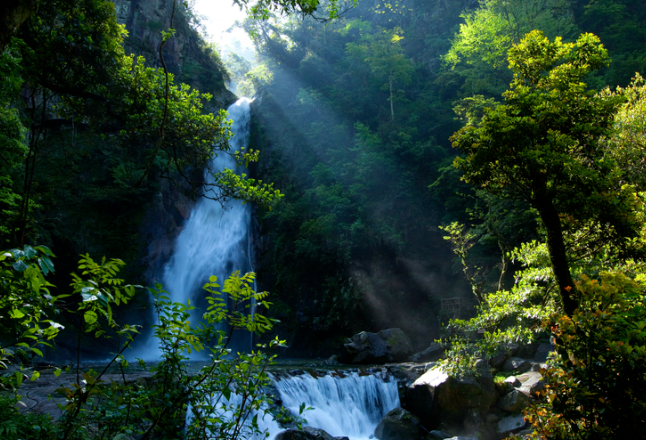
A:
[398,424]
[145,19]
[437,398]
[390,345]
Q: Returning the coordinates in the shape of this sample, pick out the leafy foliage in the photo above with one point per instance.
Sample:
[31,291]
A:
[224,399]
[595,386]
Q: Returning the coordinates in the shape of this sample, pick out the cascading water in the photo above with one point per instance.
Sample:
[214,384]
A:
[215,238]
[343,404]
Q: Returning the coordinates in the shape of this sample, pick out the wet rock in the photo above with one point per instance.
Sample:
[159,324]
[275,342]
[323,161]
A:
[433,353]
[389,345]
[516,364]
[398,424]
[514,401]
[511,424]
[295,434]
[318,434]
[435,398]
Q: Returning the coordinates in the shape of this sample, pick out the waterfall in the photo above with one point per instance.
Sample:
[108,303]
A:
[214,240]
[348,404]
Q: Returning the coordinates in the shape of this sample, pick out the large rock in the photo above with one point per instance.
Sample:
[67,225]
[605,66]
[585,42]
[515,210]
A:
[531,383]
[318,434]
[511,424]
[431,354]
[436,398]
[398,424]
[543,352]
[516,364]
[514,401]
[307,433]
[390,345]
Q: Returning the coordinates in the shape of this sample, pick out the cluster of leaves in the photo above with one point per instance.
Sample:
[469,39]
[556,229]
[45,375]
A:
[596,384]
[32,313]
[223,399]
[505,317]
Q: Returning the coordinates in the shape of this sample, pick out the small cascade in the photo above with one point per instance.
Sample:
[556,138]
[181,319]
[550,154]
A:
[349,404]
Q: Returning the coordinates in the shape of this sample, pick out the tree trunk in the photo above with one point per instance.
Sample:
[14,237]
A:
[558,257]
[392,108]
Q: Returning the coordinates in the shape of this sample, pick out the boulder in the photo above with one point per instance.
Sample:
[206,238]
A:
[514,402]
[436,397]
[318,434]
[531,383]
[516,364]
[498,359]
[398,424]
[398,344]
[389,345]
[543,351]
[511,424]
[433,353]
[513,381]
[307,433]
[527,351]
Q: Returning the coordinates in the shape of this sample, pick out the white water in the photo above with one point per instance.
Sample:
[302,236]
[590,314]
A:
[351,406]
[214,241]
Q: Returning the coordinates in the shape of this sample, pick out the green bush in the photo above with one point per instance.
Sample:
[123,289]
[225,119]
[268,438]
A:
[596,386]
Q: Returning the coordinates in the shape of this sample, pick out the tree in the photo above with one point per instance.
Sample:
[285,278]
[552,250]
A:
[387,59]
[544,146]
[478,52]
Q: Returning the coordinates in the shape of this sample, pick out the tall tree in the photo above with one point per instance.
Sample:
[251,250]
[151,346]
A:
[544,145]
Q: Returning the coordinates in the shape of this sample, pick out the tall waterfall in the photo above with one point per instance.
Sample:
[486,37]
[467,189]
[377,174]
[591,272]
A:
[215,238]
[349,406]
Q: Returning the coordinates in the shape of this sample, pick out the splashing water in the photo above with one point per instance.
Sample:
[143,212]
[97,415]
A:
[349,406]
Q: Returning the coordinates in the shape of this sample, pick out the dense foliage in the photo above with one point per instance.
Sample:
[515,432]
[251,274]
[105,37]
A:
[223,398]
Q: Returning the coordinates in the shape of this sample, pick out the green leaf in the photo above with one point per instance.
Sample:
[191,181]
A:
[20,266]
[46,265]
[90,317]
[45,250]
[30,252]
[17,314]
